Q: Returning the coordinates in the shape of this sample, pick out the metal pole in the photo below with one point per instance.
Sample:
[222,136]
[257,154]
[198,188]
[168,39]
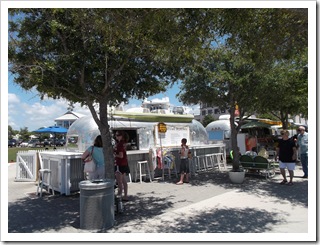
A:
[162,163]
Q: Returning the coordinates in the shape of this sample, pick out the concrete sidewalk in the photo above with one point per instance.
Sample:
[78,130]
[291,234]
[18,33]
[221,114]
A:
[209,204]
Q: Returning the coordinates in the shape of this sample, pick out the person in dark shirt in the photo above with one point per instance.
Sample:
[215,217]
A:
[121,164]
[287,155]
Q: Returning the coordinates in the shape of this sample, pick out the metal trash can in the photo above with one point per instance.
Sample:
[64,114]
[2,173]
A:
[96,204]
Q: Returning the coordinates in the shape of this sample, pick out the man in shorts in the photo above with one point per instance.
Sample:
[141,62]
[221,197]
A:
[287,154]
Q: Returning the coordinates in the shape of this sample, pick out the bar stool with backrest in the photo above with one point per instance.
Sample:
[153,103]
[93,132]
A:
[44,178]
[142,165]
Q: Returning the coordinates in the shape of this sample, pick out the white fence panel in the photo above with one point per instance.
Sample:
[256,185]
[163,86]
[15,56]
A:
[26,166]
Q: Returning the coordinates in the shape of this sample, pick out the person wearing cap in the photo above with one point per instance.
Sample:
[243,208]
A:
[287,154]
[302,142]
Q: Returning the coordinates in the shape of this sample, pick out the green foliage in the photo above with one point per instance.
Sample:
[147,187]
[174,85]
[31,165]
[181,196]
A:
[24,134]
[265,34]
[11,132]
[259,63]
[287,88]
[224,79]
[114,53]
[207,119]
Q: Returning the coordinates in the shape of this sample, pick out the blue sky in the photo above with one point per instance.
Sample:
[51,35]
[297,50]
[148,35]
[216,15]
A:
[26,109]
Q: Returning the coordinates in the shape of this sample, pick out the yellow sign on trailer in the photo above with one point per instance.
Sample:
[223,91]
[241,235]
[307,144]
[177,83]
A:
[162,127]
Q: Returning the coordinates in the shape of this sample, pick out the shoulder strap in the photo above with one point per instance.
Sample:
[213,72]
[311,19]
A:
[92,150]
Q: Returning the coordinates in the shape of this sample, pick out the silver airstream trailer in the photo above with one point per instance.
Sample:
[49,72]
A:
[142,130]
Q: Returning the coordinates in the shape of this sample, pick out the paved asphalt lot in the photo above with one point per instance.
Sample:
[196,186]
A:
[210,205]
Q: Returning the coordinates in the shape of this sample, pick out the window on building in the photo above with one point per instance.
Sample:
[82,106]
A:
[209,111]
[216,111]
[204,112]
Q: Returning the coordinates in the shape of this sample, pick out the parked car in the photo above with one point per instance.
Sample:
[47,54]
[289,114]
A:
[24,144]
[60,142]
[72,140]
[47,143]
[12,143]
[34,143]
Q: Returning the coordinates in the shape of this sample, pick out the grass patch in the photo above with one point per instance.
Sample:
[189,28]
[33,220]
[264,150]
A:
[12,152]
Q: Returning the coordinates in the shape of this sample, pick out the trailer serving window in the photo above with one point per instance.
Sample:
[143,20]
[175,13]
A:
[133,143]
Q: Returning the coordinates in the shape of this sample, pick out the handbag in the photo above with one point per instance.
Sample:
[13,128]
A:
[89,164]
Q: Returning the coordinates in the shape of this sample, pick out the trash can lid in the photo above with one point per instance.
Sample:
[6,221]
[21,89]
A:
[96,184]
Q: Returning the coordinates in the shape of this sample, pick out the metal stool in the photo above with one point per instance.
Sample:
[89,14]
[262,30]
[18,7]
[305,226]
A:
[144,165]
[221,161]
[44,174]
[44,178]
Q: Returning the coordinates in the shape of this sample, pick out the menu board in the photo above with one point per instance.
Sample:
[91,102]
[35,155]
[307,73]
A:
[173,135]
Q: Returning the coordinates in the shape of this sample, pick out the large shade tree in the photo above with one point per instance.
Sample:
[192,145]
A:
[226,80]
[260,41]
[103,56]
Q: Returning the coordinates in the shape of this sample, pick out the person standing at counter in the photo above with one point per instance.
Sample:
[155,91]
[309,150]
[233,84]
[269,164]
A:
[121,164]
[184,163]
[98,157]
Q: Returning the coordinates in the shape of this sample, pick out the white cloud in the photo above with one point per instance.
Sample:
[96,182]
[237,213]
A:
[13,99]
[37,114]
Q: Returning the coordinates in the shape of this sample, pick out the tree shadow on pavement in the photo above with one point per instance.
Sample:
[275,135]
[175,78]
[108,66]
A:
[37,214]
[231,220]
[52,213]
[258,185]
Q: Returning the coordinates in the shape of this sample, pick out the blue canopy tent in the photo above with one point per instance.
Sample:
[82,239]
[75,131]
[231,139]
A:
[52,130]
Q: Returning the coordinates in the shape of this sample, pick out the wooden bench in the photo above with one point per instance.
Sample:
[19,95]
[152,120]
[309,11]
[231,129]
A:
[257,163]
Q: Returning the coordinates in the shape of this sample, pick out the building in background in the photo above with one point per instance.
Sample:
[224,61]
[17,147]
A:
[67,119]
[214,111]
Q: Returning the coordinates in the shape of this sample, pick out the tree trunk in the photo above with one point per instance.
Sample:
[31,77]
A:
[106,141]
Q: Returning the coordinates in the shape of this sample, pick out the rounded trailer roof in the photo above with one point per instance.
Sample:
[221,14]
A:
[218,125]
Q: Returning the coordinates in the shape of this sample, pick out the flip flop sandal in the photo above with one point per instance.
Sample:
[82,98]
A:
[283,182]
[179,183]
[290,183]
